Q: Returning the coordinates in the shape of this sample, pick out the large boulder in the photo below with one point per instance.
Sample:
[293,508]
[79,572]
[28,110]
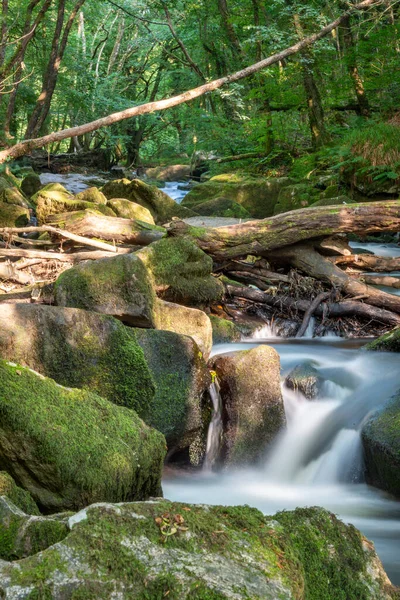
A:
[93,195]
[258,195]
[222,207]
[23,535]
[71,447]
[11,194]
[381,441]
[78,348]
[54,203]
[224,331]
[169,173]
[130,210]
[253,410]
[12,215]
[388,342]
[31,184]
[118,286]
[161,206]
[161,549]
[181,272]
[178,409]
[296,196]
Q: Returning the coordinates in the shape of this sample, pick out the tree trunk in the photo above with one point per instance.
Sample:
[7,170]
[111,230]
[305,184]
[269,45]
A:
[260,237]
[364,262]
[351,61]
[29,145]
[228,27]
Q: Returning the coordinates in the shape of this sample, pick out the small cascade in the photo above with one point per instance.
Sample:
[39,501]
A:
[214,435]
[309,332]
[268,331]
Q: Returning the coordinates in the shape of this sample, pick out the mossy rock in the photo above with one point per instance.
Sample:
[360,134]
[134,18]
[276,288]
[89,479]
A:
[78,348]
[13,195]
[22,535]
[93,195]
[257,195]
[296,196]
[222,207]
[178,409]
[333,201]
[224,331]
[381,441]
[253,410]
[130,210]
[12,215]
[31,184]
[306,379]
[21,498]
[55,187]
[181,272]
[118,286]
[53,204]
[169,173]
[160,549]
[71,447]
[161,206]
[388,342]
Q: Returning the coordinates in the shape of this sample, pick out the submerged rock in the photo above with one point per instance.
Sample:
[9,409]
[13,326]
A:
[381,442]
[70,447]
[388,342]
[253,411]
[161,549]
[161,206]
[306,379]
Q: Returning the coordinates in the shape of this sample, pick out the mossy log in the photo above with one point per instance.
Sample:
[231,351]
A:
[260,237]
[91,224]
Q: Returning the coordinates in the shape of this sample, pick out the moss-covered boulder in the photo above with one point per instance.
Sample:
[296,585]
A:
[333,201]
[130,210]
[160,549]
[13,195]
[257,195]
[292,197]
[54,203]
[181,272]
[224,331]
[70,447]
[161,206]
[22,535]
[381,441]
[21,498]
[222,207]
[169,173]
[253,411]
[179,409]
[31,184]
[12,215]
[78,348]
[118,286]
[306,379]
[93,195]
[388,342]
[186,321]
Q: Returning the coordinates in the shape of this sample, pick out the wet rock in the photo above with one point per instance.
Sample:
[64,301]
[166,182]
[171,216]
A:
[253,411]
[257,195]
[381,442]
[162,549]
[181,377]
[160,205]
[224,331]
[78,348]
[70,447]
[31,184]
[388,342]
[306,379]
[130,210]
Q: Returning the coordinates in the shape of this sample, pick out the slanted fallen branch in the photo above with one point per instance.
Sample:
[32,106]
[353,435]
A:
[365,262]
[5,231]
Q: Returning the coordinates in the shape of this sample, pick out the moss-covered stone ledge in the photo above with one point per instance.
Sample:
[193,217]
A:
[21,498]
[388,342]
[155,550]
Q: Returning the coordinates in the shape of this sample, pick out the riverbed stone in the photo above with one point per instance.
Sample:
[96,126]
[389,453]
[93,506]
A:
[224,331]
[388,342]
[305,379]
[31,184]
[92,194]
[253,410]
[130,210]
[292,197]
[71,447]
[222,207]
[162,207]
[54,203]
[78,348]
[381,441]
[169,173]
[13,195]
[179,409]
[257,195]
[12,215]
[162,549]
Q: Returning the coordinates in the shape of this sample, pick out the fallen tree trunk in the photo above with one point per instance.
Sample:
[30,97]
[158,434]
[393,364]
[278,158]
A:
[260,237]
[365,262]
[27,146]
[59,256]
[309,261]
[9,273]
[89,223]
[393,282]
[347,308]
[6,231]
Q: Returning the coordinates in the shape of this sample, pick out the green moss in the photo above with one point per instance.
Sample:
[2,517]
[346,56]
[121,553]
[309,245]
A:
[222,207]
[389,342]
[295,196]
[224,331]
[12,215]
[17,495]
[53,203]
[81,447]
[185,269]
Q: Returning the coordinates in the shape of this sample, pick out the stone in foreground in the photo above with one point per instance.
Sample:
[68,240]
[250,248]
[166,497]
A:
[155,550]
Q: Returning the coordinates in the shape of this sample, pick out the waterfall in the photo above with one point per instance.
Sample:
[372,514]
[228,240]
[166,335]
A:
[214,435]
